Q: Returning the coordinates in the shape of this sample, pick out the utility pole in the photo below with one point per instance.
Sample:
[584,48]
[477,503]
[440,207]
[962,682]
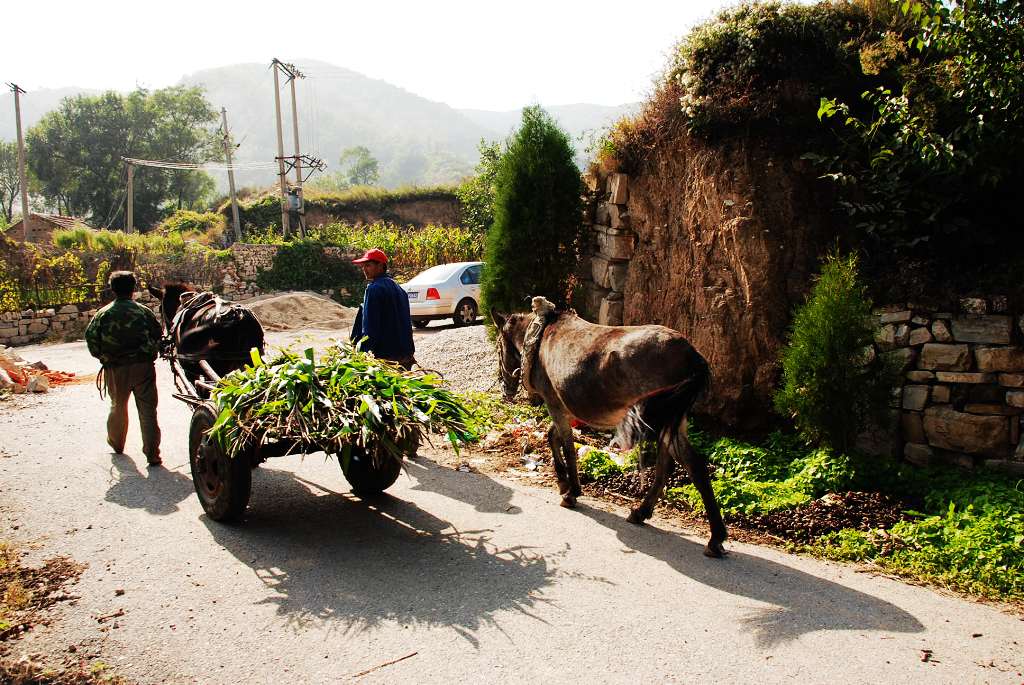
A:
[130,214]
[25,217]
[280,149]
[293,75]
[231,176]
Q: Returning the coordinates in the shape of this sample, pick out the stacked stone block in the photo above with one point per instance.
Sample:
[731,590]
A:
[611,248]
[962,398]
[29,326]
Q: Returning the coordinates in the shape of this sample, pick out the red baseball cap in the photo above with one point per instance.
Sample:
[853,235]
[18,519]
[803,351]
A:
[373,255]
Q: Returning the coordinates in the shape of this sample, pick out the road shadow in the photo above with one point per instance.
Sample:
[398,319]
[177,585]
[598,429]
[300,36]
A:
[333,558]
[158,490]
[434,328]
[802,603]
[475,489]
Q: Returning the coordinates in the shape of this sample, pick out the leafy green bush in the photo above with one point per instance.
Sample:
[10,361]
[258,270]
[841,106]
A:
[767,61]
[782,473]
[476,194]
[596,464]
[303,265]
[488,412]
[977,549]
[821,472]
[928,161]
[206,228]
[829,388]
[532,246]
[739,496]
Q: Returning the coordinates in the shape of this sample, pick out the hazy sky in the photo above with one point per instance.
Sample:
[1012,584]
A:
[485,55]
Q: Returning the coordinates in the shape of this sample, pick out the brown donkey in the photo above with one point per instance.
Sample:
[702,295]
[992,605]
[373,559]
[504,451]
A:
[642,380]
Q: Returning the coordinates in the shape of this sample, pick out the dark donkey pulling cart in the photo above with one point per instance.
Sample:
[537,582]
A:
[207,339]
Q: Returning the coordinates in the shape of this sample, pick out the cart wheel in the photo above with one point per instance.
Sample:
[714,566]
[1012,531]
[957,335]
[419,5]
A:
[222,483]
[367,479]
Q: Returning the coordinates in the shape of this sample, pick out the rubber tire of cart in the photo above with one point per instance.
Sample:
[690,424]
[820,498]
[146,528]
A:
[420,324]
[224,491]
[365,478]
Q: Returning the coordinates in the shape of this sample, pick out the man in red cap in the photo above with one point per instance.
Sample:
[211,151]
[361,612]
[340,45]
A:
[384,319]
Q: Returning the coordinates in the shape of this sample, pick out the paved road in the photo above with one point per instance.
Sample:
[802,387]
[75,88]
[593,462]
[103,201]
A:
[483,580]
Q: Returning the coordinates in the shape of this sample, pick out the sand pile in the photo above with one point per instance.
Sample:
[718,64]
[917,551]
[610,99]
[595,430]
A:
[294,310]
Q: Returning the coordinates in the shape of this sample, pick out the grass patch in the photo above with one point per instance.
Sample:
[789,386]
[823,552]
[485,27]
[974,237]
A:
[24,591]
[28,672]
[968,534]
[488,412]
[265,211]
[961,530]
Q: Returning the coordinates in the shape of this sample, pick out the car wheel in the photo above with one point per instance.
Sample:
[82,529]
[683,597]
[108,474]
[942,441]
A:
[465,313]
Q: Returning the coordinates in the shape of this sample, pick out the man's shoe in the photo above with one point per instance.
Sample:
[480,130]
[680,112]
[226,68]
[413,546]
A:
[156,462]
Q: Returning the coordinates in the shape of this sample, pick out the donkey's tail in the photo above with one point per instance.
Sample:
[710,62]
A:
[664,411]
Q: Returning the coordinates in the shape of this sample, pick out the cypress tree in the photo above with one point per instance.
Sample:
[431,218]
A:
[532,246]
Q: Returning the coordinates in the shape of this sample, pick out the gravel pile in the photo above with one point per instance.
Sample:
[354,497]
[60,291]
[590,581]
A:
[463,356]
[292,311]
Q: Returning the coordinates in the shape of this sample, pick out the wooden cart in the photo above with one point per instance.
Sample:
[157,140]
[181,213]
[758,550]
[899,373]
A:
[224,482]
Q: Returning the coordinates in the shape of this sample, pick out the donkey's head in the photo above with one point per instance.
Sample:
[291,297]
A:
[170,299]
[511,333]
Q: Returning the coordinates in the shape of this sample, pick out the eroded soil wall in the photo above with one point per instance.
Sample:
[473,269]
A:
[728,236]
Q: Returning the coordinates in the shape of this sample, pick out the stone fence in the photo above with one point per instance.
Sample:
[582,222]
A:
[609,250]
[962,396]
[29,326]
[236,279]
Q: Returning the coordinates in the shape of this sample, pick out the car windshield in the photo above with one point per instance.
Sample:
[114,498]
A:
[435,274]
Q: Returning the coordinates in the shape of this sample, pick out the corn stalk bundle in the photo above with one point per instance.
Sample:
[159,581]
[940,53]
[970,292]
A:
[346,400]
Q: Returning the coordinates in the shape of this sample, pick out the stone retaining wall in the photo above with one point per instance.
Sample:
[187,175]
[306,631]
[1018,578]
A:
[962,398]
[29,326]
[609,250]
[235,280]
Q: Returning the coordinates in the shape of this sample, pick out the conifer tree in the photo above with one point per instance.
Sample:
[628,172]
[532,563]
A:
[532,246]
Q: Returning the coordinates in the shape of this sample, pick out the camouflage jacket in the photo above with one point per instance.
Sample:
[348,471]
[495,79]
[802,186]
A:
[124,332]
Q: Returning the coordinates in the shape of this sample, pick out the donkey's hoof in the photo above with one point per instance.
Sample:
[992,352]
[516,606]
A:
[568,502]
[638,516]
[715,550]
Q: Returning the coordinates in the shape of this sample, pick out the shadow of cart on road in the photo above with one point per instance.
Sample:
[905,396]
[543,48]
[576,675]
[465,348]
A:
[801,603]
[334,558]
[484,494]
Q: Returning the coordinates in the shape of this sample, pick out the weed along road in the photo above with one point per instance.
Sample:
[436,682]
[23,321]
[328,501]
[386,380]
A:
[449,577]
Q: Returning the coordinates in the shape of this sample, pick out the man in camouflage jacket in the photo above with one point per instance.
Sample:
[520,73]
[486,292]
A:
[125,337]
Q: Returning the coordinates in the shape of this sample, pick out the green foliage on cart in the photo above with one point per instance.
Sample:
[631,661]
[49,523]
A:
[345,400]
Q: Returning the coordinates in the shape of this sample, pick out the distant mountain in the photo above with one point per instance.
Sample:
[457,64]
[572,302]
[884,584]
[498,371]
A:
[34,105]
[416,141]
[579,120]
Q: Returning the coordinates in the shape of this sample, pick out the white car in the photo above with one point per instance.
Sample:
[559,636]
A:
[446,291]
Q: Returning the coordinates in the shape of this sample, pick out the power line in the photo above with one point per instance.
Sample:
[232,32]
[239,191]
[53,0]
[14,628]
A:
[187,166]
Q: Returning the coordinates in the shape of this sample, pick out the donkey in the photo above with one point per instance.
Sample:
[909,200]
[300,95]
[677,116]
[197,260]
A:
[642,380]
[202,326]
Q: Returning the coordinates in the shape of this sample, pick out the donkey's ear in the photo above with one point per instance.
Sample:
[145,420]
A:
[155,292]
[498,318]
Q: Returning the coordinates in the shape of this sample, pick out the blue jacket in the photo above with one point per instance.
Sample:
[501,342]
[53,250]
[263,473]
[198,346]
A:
[386,321]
